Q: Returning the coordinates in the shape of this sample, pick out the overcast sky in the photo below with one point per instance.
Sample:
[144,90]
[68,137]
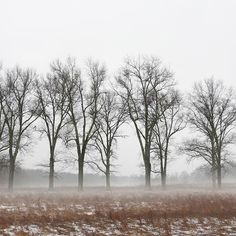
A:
[195,39]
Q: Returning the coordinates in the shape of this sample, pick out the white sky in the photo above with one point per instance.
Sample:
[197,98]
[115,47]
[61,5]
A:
[195,38]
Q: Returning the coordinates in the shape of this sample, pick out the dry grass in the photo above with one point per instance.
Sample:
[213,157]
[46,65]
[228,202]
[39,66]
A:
[118,213]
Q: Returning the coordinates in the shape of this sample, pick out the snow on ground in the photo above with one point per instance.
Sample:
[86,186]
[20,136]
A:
[148,213]
[191,226]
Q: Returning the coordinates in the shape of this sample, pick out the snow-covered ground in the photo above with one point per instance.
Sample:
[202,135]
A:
[189,226]
[118,213]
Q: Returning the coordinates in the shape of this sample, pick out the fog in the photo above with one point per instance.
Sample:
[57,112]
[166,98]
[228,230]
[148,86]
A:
[196,39]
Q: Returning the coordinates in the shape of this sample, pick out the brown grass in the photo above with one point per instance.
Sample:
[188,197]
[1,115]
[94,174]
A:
[132,213]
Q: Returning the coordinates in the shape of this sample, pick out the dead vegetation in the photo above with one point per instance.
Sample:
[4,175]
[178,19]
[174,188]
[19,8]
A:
[118,213]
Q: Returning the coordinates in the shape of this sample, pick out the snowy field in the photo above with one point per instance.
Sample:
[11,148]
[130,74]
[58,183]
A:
[120,212]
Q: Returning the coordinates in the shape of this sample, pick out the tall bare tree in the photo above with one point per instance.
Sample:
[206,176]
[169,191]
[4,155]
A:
[212,113]
[111,117]
[83,109]
[143,82]
[51,93]
[171,122]
[19,111]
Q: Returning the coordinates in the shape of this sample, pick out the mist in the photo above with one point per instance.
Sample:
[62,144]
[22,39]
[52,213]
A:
[117,117]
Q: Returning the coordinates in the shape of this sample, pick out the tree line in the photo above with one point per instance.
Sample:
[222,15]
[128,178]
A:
[84,109]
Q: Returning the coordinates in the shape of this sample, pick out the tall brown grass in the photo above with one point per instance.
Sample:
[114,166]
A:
[127,213]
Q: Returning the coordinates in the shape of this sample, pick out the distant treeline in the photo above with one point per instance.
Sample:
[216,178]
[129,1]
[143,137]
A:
[38,178]
[82,108]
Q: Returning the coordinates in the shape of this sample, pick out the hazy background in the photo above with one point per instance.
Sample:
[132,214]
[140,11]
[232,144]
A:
[196,39]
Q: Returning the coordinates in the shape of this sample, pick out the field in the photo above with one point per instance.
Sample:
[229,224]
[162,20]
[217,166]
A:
[122,211]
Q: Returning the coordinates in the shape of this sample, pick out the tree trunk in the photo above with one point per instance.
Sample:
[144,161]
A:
[11,174]
[108,178]
[51,172]
[108,181]
[108,171]
[80,174]
[213,177]
[214,167]
[219,176]
[164,169]
[163,180]
[148,175]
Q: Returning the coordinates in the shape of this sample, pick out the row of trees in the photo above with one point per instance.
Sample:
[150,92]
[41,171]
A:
[85,111]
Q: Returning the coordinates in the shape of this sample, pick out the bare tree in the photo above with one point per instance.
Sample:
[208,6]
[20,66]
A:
[18,109]
[83,109]
[143,83]
[212,113]
[51,93]
[171,122]
[201,148]
[111,117]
